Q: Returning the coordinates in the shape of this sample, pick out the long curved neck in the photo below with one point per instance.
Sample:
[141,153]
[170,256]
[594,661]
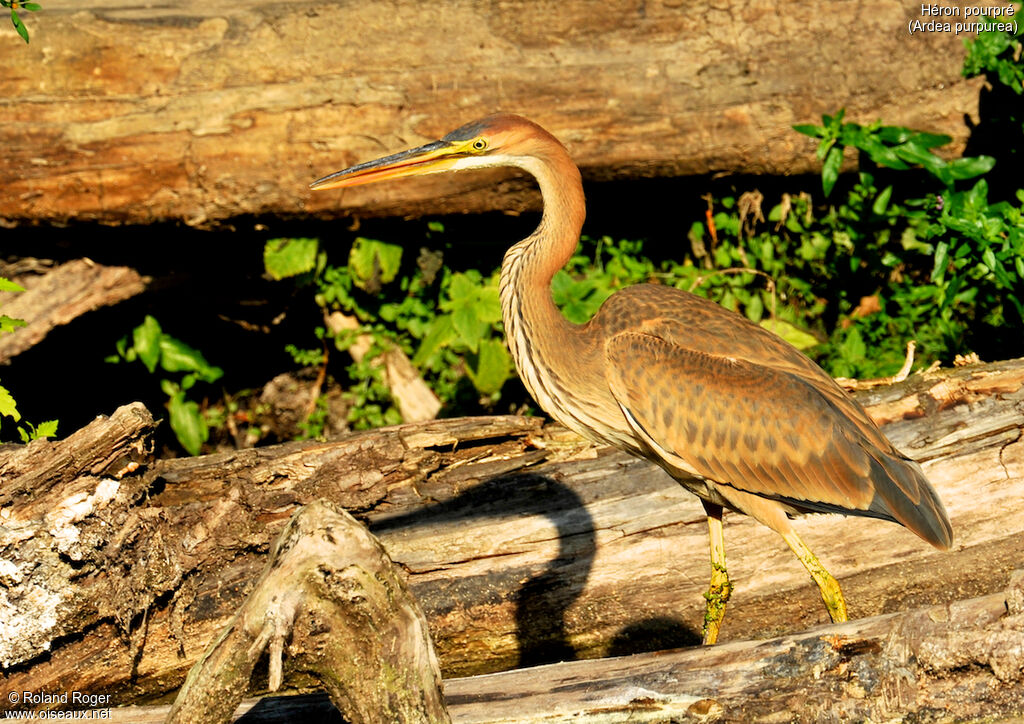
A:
[538,335]
[529,265]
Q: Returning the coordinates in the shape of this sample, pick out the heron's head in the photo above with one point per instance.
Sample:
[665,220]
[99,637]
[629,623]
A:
[498,140]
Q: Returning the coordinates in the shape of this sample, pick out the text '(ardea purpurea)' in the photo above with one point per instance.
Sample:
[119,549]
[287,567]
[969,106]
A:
[735,414]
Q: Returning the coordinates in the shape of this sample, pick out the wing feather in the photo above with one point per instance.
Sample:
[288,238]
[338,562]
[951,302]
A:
[773,431]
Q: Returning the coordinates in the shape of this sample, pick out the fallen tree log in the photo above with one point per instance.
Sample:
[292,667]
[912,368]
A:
[57,295]
[205,111]
[963,661]
[522,547]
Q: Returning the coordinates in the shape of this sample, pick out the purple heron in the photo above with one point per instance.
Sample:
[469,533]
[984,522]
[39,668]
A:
[736,415]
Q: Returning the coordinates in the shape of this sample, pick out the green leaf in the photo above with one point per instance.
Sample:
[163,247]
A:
[9,324]
[853,348]
[492,369]
[8,408]
[830,169]
[809,129]
[44,430]
[941,256]
[795,336]
[146,341]
[988,258]
[893,134]
[440,334]
[964,168]
[916,153]
[882,201]
[469,327]
[284,258]
[374,261]
[6,285]
[754,308]
[176,356]
[19,26]
[188,423]
[461,289]
[977,197]
[824,147]
[930,140]
[885,156]
[488,304]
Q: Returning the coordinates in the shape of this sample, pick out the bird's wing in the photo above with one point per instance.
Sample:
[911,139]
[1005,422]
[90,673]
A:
[765,431]
[695,323]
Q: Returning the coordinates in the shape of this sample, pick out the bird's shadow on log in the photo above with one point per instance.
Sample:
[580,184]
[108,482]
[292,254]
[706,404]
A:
[544,596]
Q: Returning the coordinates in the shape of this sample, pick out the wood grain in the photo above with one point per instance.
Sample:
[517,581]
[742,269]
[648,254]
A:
[203,111]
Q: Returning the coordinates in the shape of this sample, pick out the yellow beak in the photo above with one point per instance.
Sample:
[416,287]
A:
[432,158]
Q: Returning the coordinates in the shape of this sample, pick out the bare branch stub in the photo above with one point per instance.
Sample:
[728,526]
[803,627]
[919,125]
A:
[331,600]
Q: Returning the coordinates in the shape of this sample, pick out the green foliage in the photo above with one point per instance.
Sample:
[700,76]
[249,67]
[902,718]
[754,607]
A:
[8,407]
[155,349]
[30,432]
[15,6]
[448,322]
[313,427]
[945,267]
[893,147]
[997,53]
[373,263]
[284,258]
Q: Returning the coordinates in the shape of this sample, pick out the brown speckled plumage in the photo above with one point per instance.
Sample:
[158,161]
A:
[738,416]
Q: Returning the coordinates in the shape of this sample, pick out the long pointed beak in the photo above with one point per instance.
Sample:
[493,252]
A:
[431,158]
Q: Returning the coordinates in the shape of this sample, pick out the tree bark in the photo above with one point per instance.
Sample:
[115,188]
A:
[333,603]
[55,296]
[523,545]
[205,111]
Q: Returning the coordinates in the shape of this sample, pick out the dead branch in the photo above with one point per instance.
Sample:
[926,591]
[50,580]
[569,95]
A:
[332,601]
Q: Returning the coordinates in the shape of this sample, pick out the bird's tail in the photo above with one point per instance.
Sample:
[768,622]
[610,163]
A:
[904,495]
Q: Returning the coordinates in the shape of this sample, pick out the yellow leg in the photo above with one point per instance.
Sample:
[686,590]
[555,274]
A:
[829,586]
[721,587]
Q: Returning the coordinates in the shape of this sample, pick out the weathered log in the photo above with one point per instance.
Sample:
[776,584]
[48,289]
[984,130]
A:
[521,548]
[57,295]
[332,601]
[963,661]
[203,111]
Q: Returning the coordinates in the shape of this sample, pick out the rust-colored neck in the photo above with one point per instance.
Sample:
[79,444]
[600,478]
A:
[546,347]
[529,266]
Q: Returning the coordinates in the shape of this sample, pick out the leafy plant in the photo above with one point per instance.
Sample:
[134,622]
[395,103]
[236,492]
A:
[8,407]
[448,322]
[893,147]
[154,348]
[998,53]
[16,5]
[944,267]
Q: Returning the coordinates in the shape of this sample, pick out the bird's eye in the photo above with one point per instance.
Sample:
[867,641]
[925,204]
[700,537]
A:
[479,144]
